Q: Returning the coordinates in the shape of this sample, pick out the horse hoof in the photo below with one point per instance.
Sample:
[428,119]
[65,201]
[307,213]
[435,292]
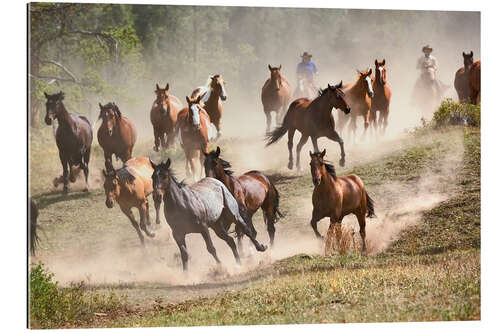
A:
[65,191]
[342,162]
[55,182]
[85,189]
[290,165]
[261,248]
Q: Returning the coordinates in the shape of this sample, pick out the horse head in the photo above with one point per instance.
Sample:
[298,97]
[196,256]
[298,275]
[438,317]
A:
[366,79]
[53,104]
[216,166]
[110,115]
[468,60]
[162,99]
[218,86]
[380,72]
[194,107]
[111,186]
[317,166]
[337,98]
[160,176]
[276,77]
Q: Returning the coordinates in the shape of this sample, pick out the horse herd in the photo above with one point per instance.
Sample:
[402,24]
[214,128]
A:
[222,199]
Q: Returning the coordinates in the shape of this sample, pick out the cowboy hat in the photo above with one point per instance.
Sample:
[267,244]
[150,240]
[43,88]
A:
[305,54]
[427,47]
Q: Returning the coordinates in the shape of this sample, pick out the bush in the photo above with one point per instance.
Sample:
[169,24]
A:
[51,306]
[456,113]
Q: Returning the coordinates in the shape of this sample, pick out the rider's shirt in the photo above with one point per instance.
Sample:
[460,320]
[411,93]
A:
[306,69]
[424,62]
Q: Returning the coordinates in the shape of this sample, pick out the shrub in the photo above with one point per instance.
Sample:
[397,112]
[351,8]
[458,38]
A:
[455,113]
[51,306]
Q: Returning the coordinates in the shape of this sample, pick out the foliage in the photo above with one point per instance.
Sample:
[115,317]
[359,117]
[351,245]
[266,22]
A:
[450,112]
[51,306]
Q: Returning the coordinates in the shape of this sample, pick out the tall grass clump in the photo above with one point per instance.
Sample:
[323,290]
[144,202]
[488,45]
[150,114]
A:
[456,113]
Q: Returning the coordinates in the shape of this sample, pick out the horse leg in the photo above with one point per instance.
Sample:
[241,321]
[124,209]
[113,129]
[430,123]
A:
[362,223]
[130,216]
[85,167]
[239,237]
[65,166]
[352,128]
[291,133]
[208,241]
[170,139]
[157,200]
[314,223]
[385,119]
[156,133]
[201,157]
[222,234]
[180,239]
[269,220]
[248,230]
[366,118]
[302,141]
[336,137]
[268,121]
[144,214]
[187,154]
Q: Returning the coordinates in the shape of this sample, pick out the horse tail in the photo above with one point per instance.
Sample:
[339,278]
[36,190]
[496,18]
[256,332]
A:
[370,206]
[281,130]
[276,203]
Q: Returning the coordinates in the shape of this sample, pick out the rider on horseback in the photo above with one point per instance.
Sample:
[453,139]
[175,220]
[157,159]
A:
[427,64]
[306,70]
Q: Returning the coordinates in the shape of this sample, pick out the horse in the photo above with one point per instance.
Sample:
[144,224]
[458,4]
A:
[336,197]
[163,116]
[130,186]
[475,83]
[252,190]
[116,135]
[194,135]
[33,226]
[313,118]
[213,90]
[275,95]
[73,139]
[194,209]
[461,82]
[359,97]
[381,98]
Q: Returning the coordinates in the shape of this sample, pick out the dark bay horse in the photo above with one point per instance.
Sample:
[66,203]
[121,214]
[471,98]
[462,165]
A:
[130,186]
[359,97]
[336,197]
[313,119]
[73,138]
[462,78]
[194,209]
[252,190]
[116,135]
[275,95]
[193,133]
[163,117]
[475,83]
[214,90]
[381,99]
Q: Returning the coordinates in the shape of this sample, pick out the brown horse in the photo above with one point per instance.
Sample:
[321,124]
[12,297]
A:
[193,132]
[336,197]
[215,89]
[359,97]
[252,190]
[313,119]
[462,78]
[73,139]
[163,117]
[381,98]
[130,186]
[116,135]
[275,95]
[475,83]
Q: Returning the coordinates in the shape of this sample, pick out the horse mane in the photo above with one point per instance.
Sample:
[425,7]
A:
[330,169]
[225,164]
[174,178]
[114,107]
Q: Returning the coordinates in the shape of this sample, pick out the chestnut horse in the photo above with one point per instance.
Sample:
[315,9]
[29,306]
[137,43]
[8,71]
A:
[475,83]
[194,209]
[252,190]
[73,139]
[275,96]
[116,135]
[313,119]
[462,78]
[130,186]
[163,117]
[381,99]
[336,197]
[213,90]
[194,134]
[359,97]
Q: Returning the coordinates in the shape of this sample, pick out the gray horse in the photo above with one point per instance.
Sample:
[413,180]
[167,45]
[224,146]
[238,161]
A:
[194,209]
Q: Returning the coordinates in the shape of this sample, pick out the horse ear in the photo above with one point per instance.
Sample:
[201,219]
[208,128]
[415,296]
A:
[217,151]
[167,164]
[100,105]
[329,86]
[311,154]
[188,100]
[463,54]
[471,53]
[370,72]
[46,95]
[269,66]
[339,85]
[323,153]
[280,66]
[357,70]
[200,97]
[157,87]
[168,86]
[383,62]
[376,62]
[152,164]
